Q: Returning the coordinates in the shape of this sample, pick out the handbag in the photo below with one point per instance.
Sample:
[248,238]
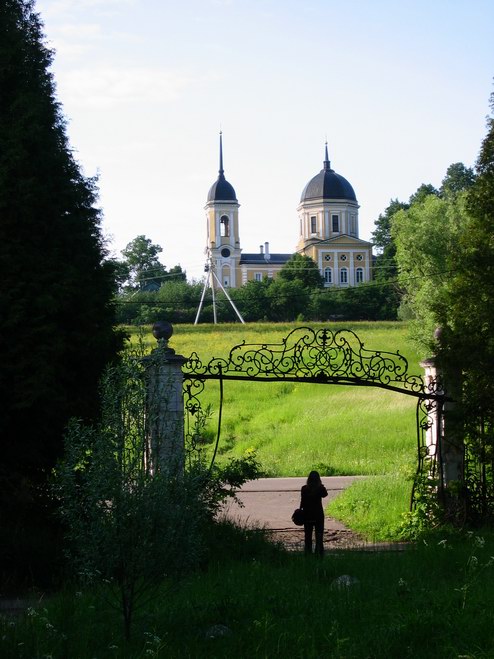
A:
[298,517]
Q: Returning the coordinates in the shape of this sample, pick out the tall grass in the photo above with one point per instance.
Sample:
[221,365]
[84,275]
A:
[435,601]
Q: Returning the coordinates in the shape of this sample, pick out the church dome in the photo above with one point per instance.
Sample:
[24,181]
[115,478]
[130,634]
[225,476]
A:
[221,190]
[328,185]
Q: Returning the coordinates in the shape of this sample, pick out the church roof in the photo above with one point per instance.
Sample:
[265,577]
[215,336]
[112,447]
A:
[328,185]
[260,259]
[221,190]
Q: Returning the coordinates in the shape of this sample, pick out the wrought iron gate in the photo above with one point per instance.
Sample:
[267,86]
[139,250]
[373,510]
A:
[325,357]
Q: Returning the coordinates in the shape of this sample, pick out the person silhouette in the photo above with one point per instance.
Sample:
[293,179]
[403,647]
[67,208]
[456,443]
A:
[311,496]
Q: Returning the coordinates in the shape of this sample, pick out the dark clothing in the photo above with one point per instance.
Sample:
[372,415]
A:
[311,504]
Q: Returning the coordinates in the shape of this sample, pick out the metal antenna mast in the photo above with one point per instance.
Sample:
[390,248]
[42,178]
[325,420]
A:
[209,282]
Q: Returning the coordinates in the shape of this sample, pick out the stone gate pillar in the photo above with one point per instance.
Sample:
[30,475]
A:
[435,428]
[444,435]
[164,406]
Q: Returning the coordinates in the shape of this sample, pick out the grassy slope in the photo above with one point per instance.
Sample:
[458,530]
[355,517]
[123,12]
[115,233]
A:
[296,427]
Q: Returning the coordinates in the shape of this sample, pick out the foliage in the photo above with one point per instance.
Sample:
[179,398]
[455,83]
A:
[56,320]
[271,300]
[143,268]
[385,269]
[370,301]
[132,520]
[458,179]
[468,320]
[175,301]
[426,237]
[304,270]
[445,251]
[427,514]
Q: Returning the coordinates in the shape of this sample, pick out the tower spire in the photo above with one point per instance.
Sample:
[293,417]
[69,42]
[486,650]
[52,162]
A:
[221,170]
[327,163]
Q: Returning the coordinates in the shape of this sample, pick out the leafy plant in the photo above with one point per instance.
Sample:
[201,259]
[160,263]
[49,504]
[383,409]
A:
[131,521]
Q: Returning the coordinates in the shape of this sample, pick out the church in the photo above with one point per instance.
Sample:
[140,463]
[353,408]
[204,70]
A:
[328,233]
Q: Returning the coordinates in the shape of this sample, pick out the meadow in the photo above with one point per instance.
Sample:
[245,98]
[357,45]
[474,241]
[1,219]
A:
[296,427]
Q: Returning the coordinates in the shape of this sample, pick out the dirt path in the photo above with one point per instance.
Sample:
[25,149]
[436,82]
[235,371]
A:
[270,502]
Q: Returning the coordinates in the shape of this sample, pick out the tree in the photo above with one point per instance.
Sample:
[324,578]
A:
[56,319]
[458,179]
[426,237]
[423,191]
[130,522]
[468,327]
[252,299]
[302,269]
[141,259]
[287,300]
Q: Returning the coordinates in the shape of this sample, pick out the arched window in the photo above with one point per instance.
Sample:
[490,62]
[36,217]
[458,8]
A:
[343,276]
[328,276]
[224,226]
[359,275]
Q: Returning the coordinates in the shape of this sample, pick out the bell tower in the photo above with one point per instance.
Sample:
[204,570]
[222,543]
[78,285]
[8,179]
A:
[223,240]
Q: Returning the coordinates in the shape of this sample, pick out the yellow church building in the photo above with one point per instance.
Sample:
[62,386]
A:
[328,233]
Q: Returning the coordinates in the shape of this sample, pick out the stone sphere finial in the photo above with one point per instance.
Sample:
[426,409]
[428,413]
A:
[162,330]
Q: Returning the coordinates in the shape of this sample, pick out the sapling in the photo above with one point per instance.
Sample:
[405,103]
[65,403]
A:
[133,523]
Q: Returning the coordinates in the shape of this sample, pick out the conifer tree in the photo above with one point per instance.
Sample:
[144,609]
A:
[56,314]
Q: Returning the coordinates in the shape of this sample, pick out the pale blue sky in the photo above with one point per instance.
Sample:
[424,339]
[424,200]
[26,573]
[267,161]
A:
[400,89]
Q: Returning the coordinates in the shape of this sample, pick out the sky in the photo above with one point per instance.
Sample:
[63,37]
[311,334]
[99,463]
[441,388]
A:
[398,88]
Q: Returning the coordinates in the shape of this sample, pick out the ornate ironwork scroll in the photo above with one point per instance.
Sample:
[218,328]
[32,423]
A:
[320,356]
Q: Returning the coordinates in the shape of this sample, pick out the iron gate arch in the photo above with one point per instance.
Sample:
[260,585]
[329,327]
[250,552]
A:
[325,356]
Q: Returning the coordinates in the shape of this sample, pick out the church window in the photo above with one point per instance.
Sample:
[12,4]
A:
[353,225]
[327,257]
[343,276]
[360,257]
[335,220]
[225,226]
[343,257]
[359,275]
[313,224]
[328,276]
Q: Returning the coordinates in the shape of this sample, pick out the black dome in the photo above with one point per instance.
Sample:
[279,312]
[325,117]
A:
[328,185]
[221,190]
